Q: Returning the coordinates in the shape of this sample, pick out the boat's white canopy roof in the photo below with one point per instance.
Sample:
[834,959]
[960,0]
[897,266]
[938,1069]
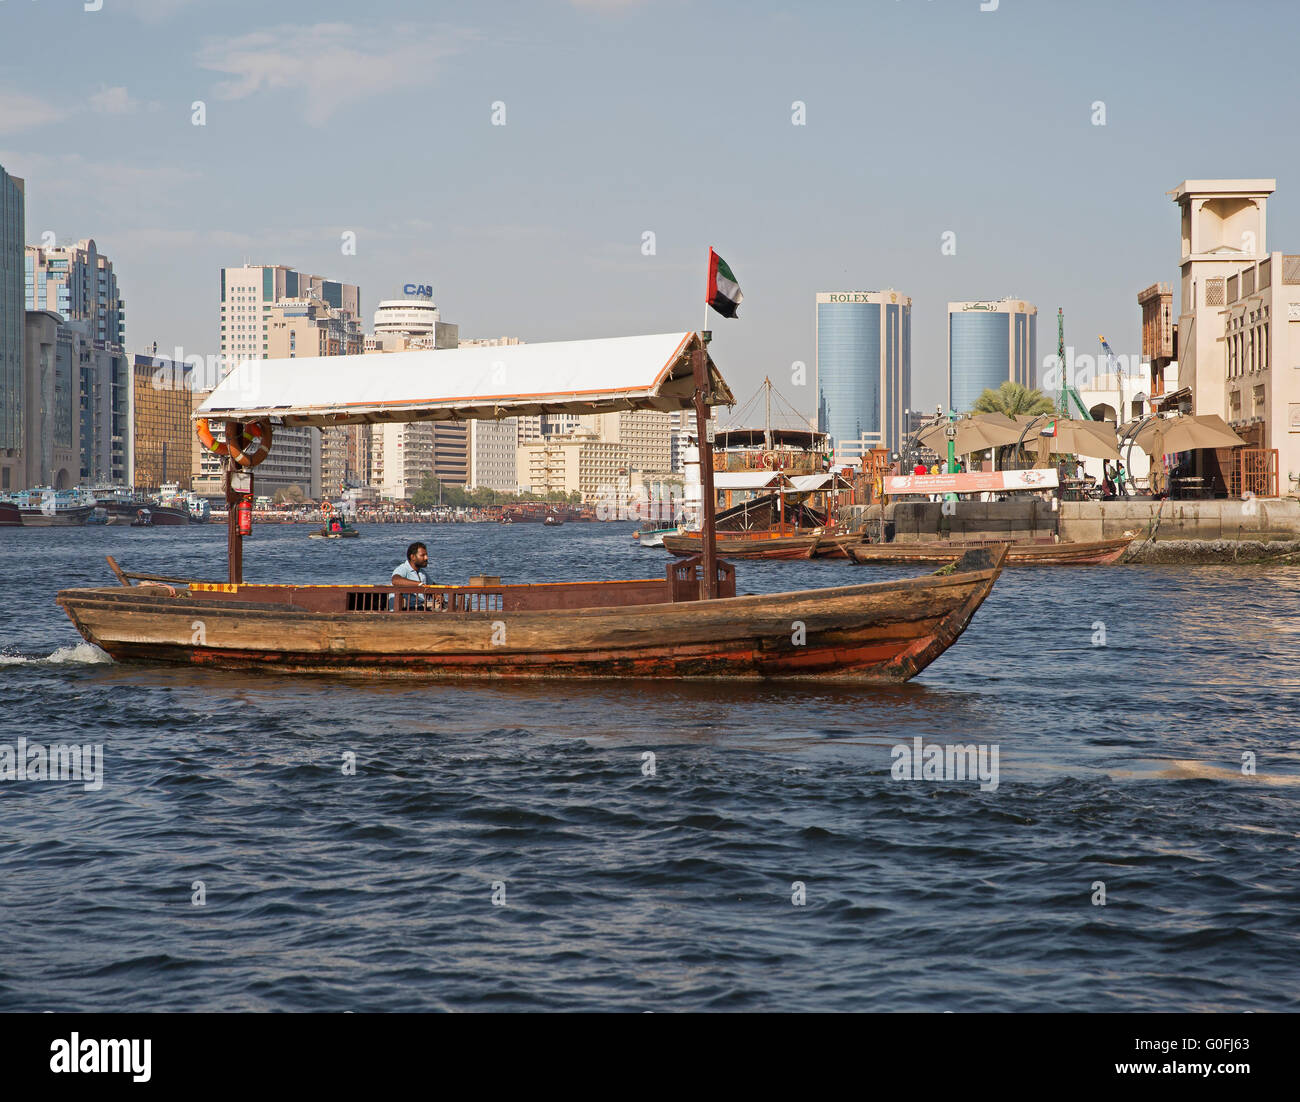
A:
[595,376]
[749,480]
[807,483]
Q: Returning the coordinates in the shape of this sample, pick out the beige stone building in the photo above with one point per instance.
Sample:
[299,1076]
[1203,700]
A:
[646,434]
[594,468]
[1239,331]
[1262,350]
[1223,226]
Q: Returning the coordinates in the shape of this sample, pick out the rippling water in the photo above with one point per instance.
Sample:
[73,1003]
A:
[1119,763]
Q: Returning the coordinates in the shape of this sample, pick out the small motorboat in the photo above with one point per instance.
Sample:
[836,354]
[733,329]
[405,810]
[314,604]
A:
[553,521]
[654,537]
[336,528]
[143,519]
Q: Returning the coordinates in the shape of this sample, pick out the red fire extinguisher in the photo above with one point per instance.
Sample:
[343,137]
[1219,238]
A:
[244,513]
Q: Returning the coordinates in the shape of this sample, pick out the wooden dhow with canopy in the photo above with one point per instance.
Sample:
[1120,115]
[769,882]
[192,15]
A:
[688,623]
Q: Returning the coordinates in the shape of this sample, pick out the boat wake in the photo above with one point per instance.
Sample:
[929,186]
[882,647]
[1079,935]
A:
[83,654]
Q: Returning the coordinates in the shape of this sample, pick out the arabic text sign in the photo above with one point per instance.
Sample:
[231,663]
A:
[972,483]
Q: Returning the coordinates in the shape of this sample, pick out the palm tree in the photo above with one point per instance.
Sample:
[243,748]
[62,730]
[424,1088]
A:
[1012,398]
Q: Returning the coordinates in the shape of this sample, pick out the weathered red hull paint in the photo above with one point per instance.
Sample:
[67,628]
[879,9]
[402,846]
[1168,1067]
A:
[911,624]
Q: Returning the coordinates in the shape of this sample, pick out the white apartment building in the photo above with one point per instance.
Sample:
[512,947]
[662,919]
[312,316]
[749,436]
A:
[492,447]
[257,298]
[401,458]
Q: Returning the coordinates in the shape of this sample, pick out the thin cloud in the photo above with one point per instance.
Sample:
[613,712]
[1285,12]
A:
[19,111]
[119,185]
[329,65]
[113,101]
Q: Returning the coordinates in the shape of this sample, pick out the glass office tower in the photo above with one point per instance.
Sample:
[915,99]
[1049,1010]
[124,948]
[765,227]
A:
[864,368]
[990,343]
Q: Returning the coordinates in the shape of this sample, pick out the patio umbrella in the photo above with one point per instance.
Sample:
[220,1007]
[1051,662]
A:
[1190,432]
[974,434]
[1092,438]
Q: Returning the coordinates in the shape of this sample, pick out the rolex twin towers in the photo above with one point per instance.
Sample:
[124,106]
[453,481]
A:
[864,361]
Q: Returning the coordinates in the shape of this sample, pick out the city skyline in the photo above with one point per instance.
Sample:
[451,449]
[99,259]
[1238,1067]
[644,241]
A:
[526,230]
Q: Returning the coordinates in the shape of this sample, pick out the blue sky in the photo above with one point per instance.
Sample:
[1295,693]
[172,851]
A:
[627,116]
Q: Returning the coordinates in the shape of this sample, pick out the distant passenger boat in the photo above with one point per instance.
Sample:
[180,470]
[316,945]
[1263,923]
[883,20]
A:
[47,508]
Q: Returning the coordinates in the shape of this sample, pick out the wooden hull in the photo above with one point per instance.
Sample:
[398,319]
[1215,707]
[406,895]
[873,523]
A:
[1097,553]
[62,518]
[752,546]
[882,632]
[346,534]
[10,515]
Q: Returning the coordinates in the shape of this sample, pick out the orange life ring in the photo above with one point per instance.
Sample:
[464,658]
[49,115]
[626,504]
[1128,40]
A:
[769,461]
[248,447]
[326,508]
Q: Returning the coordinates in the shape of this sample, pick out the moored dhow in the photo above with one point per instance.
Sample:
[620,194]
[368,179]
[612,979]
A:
[690,623]
[1020,553]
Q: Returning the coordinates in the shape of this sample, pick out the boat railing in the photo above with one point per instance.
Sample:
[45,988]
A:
[684,578]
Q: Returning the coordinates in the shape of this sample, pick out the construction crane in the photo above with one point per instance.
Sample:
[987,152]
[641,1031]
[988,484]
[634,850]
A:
[1111,361]
[1067,390]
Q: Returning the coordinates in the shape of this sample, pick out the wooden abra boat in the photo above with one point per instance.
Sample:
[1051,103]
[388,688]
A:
[1096,553]
[888,631]
[690,623]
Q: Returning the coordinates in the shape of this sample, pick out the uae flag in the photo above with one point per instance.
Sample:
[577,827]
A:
[1048,429]
[724,292]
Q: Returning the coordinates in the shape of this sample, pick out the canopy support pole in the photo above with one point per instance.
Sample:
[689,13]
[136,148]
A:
[700,364]
[234,541]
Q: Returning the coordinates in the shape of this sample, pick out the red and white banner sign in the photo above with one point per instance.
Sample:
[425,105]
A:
[1042,478]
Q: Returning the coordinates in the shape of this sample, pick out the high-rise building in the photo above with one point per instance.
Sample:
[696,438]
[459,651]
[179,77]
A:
[78,282]
[990,343]
[403,456]
[53,350]
[492,446]
[864,368]
[163,435]
[412,322]
[272,312]
[13,322]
